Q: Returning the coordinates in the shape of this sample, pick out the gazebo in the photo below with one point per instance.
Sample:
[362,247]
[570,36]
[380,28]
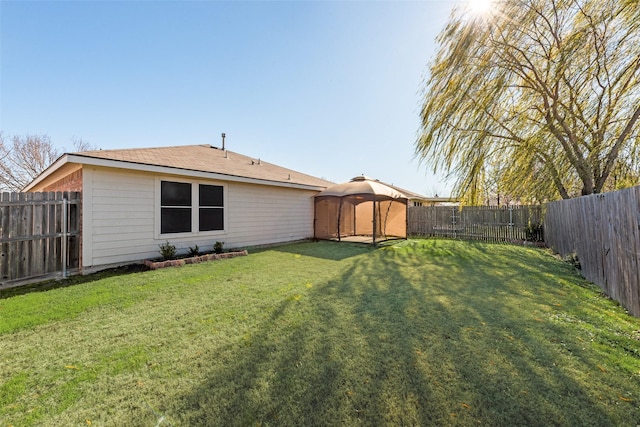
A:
[363,210]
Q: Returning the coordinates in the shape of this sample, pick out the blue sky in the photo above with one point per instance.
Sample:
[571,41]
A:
[329,88]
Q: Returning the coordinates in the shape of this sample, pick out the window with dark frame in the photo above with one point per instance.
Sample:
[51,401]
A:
[211,210]
[177,204]
[175,207]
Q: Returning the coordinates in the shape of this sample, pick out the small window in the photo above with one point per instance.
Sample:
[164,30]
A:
[175,207]
[175,194]
[211,213]
[211,195]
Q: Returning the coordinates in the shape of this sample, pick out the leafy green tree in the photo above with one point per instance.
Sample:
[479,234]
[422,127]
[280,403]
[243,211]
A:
[543,96]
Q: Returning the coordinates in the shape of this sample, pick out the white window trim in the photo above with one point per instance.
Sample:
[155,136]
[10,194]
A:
[195,207]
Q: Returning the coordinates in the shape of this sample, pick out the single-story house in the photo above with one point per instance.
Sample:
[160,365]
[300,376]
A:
[133,200]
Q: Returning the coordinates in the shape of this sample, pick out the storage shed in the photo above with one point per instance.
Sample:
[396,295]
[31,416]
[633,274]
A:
[363,209]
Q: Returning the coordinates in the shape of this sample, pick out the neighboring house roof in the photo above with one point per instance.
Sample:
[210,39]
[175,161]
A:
[443,200]
[194,160]
[419,197]
[410,194]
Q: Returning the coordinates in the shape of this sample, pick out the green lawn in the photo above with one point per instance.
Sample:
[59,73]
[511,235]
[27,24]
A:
[422,332]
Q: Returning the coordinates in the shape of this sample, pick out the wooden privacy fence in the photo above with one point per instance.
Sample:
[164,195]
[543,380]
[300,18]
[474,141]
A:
[39,235]
[489,223]
[603,230]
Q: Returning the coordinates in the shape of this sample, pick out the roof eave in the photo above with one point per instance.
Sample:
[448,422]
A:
[123,164]
[60,161]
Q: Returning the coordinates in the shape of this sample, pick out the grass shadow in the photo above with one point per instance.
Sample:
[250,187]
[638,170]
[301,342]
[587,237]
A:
[78,279]
[335,251]
[410,334]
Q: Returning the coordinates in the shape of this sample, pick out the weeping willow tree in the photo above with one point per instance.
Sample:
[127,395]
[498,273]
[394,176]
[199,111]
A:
[538,99]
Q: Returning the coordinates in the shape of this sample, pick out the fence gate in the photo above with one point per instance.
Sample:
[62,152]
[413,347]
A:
[39,235]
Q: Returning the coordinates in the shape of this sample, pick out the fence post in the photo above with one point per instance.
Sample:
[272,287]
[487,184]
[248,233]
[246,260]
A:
[65,231]
[453,223]
[510,221]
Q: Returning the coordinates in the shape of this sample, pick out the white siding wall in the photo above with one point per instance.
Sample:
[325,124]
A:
[261,215]
[119,215]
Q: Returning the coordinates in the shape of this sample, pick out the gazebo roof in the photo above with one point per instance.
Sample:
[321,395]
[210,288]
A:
[362,185]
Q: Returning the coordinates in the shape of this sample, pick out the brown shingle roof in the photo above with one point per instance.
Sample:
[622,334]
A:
[205,158]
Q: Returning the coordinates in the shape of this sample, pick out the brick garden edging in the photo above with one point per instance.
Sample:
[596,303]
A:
[154,265]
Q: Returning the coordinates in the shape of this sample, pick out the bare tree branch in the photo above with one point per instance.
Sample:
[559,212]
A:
[24,159]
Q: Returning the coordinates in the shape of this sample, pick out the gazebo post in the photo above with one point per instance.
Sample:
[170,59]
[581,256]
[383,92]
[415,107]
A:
[374,219]
[406,219]
[339,216]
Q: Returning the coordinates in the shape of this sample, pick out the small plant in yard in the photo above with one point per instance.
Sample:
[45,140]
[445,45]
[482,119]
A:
[572,259]
[217,247]
[534,232]
[195,251]
[167,250]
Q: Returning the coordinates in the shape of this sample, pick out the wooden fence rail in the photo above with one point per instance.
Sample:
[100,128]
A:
[603,230]
[489,223]
[39,235]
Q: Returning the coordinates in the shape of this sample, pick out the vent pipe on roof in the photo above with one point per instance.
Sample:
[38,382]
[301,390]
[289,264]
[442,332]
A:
[223,137]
